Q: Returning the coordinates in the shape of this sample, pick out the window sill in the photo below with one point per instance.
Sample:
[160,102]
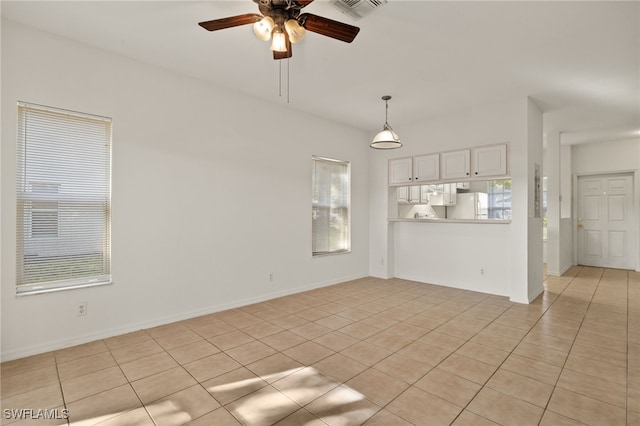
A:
[332,253]
[37,290]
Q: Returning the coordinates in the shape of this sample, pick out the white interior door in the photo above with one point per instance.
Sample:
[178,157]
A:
[605,212]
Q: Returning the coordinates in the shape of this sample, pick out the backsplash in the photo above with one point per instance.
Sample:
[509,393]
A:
[409,211]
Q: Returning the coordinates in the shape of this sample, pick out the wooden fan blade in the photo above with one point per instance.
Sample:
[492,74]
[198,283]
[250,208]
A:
[328,27]
[288,53]
[303,3]
[233,21]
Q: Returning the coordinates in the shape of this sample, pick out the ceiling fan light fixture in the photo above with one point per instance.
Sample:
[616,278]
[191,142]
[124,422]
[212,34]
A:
[279,42]
[387,138]
[263,28]
[283,23]
[295,30]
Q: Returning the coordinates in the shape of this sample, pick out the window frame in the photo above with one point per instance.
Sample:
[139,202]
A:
[505,209]
[51,170]
[346,244]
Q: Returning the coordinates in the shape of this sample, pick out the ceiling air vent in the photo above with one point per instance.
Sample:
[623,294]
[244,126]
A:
[358,8]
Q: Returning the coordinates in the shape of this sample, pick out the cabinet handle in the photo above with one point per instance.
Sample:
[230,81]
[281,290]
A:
[467,173]
[476,172]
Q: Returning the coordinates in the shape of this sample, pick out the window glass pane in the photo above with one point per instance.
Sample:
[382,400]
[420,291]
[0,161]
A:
[63,199]
[499,199]
[330,206]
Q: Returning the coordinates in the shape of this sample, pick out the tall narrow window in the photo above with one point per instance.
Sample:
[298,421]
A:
[330,206]
[63,199]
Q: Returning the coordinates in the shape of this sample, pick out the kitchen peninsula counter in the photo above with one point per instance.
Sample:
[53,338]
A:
[441,220]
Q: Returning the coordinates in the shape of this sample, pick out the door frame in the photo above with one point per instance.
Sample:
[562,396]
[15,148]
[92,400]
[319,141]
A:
[635,225]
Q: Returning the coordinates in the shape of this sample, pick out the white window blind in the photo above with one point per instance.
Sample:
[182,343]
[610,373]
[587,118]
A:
[63,199]
[330,204]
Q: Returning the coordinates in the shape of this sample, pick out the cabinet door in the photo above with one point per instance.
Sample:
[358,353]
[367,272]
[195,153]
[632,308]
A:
[455,164]
[426,168]
[400,171]
[490,161]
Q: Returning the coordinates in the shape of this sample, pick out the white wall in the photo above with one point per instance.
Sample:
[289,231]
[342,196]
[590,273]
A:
[531,245]
[453,255]
[209,195]
[552,172]
[427,252]
[559,223]
[611,157]
[566,245]
[606,157]
[566,182]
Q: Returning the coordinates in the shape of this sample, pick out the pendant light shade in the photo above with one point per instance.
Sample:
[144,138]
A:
[387,138]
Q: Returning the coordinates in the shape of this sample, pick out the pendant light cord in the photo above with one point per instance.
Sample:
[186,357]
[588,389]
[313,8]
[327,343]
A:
[386,112]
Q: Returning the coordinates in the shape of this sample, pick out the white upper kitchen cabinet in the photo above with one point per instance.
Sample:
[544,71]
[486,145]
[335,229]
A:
[455,164]
[426,168]
[490,161]
[401,171]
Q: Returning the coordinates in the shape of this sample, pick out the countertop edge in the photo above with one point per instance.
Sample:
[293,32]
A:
[436,220]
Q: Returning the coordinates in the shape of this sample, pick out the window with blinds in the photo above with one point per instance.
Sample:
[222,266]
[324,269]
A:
[63,199]
[330,206]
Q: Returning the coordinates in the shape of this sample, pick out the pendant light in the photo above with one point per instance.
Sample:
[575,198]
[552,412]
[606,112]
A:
[387,138]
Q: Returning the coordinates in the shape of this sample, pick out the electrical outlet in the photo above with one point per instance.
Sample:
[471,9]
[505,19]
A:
[82,309]
[271,276]
[483,271]
[382,260]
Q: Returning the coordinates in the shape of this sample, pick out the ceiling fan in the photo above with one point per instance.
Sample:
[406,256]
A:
[283,23]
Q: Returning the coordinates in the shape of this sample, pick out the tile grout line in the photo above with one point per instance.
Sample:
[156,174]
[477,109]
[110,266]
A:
[626,395]
[555,385]
[435,366]
[129,382]
[459,294]
[512,352]
[64,400]
[395,352]
[497,368]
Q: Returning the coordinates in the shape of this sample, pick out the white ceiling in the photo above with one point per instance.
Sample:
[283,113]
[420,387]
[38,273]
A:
[578,60]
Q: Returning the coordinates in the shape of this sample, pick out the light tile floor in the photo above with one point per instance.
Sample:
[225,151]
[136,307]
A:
[370,351]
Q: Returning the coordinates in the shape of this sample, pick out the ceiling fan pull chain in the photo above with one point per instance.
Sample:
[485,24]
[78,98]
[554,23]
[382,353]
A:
[280,78]
[288,80]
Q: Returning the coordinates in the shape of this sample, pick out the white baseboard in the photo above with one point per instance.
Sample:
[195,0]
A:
[535,293]
[559,273]
[103,334]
